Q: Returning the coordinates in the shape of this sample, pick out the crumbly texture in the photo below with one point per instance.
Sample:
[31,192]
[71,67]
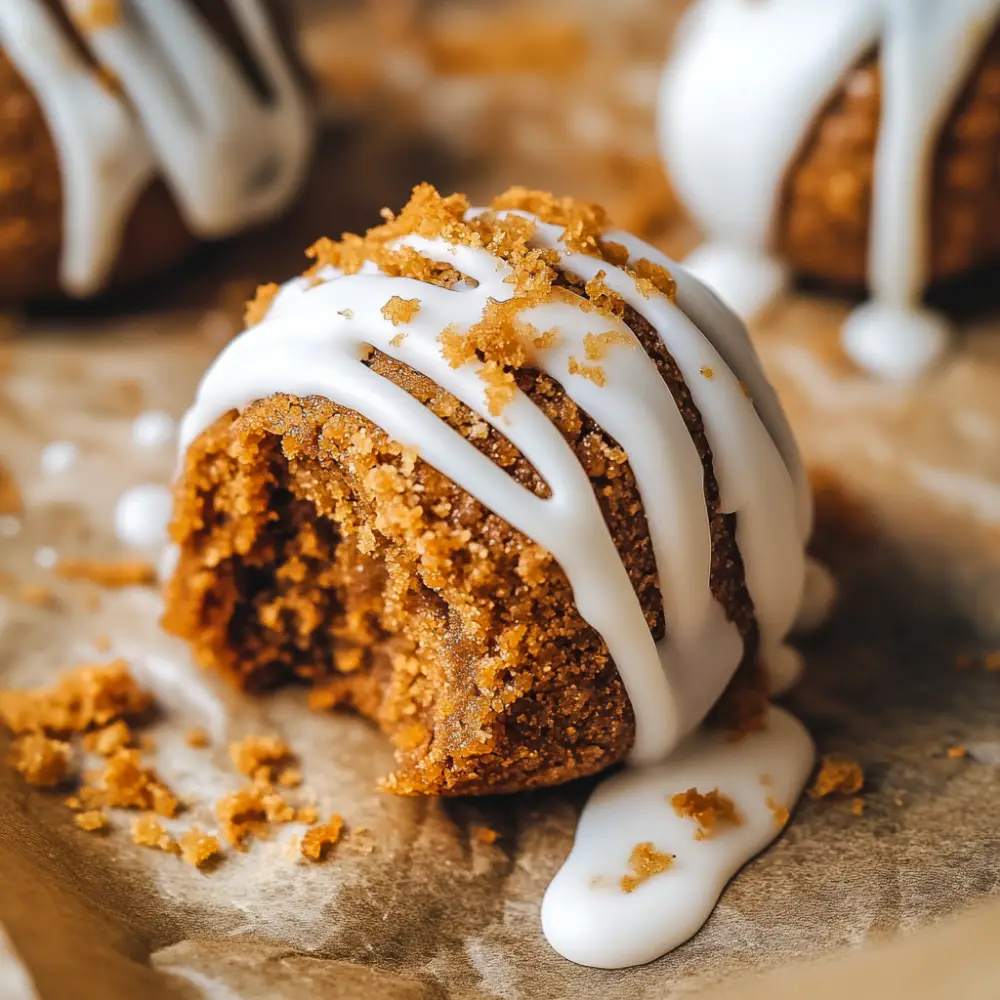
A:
[837,775]
[198,848]
[252,811]
[41,760]
[148,831]
[824,220]
[318,840]
[126,783]
[109,740]
[92,820]
[86,697]
[123,573]
[778,811]
[712,811]
[645,861]
[261,757]
[313,548]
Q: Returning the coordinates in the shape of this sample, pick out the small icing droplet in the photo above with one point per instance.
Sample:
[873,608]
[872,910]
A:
[747,282]
[818,597]
[895,343]
[153,429]
[142,515]
[46,557]
[59,457]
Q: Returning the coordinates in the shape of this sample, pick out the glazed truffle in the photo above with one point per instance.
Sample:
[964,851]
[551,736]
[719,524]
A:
[508,482]
[128,134]
[855,143]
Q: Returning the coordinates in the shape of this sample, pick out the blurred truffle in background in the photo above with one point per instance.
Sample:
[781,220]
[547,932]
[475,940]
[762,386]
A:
[544,92]
[128,134]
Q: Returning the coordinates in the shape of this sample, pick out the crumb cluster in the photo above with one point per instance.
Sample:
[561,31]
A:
[837,775]
[711,811]
[645,861]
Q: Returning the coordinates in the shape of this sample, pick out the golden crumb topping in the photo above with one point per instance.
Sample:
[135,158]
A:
[126,783]
[198,848]
[500,342]
[260,757]
[148,831]
[40,760]
[257,308]
[110,574]
[319,839]
[398,310]
[645,861]
[92,820]
[84,698]
[778,811]
[711,811]
[838,775]
[108,740]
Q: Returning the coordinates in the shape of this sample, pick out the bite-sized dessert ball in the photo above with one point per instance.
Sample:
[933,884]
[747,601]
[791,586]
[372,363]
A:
[856,142]
[130,129]
[509,482]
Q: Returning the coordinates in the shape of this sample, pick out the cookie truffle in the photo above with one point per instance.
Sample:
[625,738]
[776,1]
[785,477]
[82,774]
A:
[854,142]
[509,482]
[130,131]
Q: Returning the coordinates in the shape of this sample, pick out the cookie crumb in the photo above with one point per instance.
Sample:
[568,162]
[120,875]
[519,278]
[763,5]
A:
[148,831]
[41,760]
[956,753]
[838,775]
[317,841]
[263,757]
[779,812]
[197,848]
[707,372]
[259,306]
[398,310]
[858,805]
[92,820]
[196,738]
[126,784]
[710,811]
[108,740]
[645,862]
[485,835]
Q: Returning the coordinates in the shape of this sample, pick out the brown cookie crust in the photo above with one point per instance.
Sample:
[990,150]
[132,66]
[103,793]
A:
[313,547]
[823,220]
[31,197]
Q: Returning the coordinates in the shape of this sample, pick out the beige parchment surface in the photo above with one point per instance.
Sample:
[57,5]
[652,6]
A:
[910,522]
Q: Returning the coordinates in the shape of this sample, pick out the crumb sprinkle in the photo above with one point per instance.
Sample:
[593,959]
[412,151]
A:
[778,811]
[398,310]
[710,811]
[317,841]
[838,775]
[645,861]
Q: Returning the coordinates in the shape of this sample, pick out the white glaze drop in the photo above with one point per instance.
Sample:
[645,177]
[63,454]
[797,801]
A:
[745,84]
[311,343]
[586,915]
[142,515]
[231,159]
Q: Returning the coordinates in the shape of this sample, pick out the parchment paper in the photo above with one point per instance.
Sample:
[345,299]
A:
[910,522]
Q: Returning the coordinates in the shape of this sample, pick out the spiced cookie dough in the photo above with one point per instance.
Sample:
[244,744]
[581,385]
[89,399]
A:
[856,143]
[508,482]
[130,130]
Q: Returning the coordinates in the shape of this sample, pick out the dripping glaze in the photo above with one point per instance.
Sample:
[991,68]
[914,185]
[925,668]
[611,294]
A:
[312,342]
[185,112]
[745,84]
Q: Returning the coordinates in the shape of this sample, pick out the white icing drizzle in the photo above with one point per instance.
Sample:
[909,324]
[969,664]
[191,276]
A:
[312,341]
[747,81]
[230,158]
[586,915]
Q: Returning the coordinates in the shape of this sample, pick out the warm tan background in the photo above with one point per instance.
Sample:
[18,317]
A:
[910,505]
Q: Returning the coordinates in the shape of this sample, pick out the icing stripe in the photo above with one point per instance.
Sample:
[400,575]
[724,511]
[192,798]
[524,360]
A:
[308,346]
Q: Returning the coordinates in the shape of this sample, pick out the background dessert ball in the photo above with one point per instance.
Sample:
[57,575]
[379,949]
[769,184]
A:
[128,134]
[854,143]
